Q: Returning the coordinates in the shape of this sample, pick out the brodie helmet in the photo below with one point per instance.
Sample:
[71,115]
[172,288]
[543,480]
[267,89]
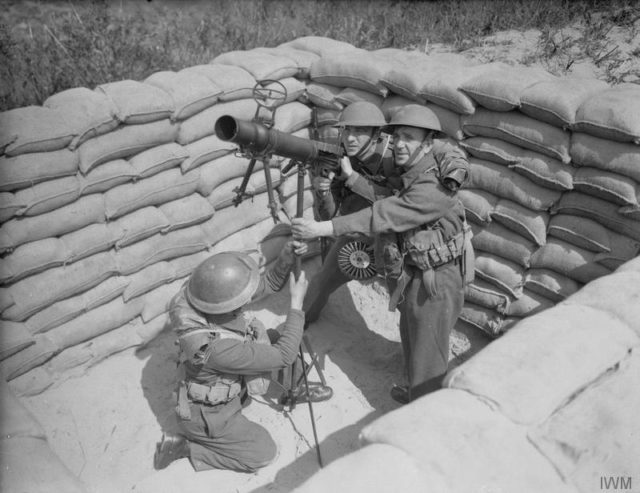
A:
[362,114]
[222,283]
[415,115]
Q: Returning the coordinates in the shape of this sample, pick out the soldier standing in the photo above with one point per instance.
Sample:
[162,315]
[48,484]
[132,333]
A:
[425,247]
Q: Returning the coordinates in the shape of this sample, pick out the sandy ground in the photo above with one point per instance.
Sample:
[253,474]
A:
[109,442]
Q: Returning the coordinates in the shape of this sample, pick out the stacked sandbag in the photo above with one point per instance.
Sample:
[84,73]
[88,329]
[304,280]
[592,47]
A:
[112,196]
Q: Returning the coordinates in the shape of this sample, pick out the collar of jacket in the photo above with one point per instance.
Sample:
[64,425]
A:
[426,164]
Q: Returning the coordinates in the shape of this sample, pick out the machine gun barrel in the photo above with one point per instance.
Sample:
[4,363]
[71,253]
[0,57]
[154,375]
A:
[260,140]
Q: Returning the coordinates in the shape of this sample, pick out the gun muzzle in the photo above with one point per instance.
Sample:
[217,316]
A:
[260,140]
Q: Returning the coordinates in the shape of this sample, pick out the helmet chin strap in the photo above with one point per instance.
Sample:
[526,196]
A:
[369,146]
[424,147]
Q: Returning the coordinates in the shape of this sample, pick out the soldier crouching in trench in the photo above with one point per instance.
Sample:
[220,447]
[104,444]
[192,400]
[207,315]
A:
[224,355]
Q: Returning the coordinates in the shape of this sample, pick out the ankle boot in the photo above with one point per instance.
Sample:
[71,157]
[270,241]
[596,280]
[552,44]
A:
[170,448]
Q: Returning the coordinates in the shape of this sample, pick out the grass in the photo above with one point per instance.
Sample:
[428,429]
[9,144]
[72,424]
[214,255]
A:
[46,47]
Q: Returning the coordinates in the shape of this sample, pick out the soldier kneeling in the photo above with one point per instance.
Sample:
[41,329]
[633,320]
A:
[221,353]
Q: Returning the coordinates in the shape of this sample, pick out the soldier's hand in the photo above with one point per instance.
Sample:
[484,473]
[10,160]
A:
[307,229]
[295,247]
[298,289]
[322,184]
[345,166]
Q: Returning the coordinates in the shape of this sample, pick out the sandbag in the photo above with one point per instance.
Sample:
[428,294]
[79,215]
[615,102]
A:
[293,88]
[369,469]
[260,65]
[93,113]
[616,294]
[137,226]
[486,319]
[14,337]
[611,187]
[187,211]
[50,475]
[225,194]
[35,129]
[69,308]
[125,142]
[484,294]
[478,204]
[528,304]
[86,210]
[319,45]
[602,421]
[148,278]
[351,95]
[234,82]
[292,117]
[147,331]
[223,169]
[527,223]
[158,189]
[107,175]
[203,124]
[136,102]
[519,373]
[205,150]
[616,157]
[86,241]
[324,95]
[38,291]
[251,240]
[48,195]
[303,59]
[557,101]
[443,86]
[500,272]
[27,359]
[498,240]
[29,169]
[464,431]
[191,92]
[157,159]
[156,302]
[500,87]
[325,116]
[185,241]
[95,322]
[543,170]
[611,114]
[520,130]
[183,266]
[33,257]
[622,250]
[356,68]
[569,260]
[9,206]
[580,231]
[231,219]
[599,210]
[550,284]
[506,183]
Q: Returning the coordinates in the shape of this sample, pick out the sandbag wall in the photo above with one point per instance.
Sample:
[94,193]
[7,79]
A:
[555,166]
[110,198]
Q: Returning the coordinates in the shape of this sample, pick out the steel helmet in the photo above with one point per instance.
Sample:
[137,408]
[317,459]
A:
[415,115]
[362,114]
[223,282]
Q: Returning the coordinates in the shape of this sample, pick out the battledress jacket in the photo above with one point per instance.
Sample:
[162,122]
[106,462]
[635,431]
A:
[208,356]
[421,202]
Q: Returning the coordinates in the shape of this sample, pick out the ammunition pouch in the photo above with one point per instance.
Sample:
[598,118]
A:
[220,393]
[427,249]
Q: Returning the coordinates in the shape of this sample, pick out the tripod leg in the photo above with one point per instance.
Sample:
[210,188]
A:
[314,359]
[313,420]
